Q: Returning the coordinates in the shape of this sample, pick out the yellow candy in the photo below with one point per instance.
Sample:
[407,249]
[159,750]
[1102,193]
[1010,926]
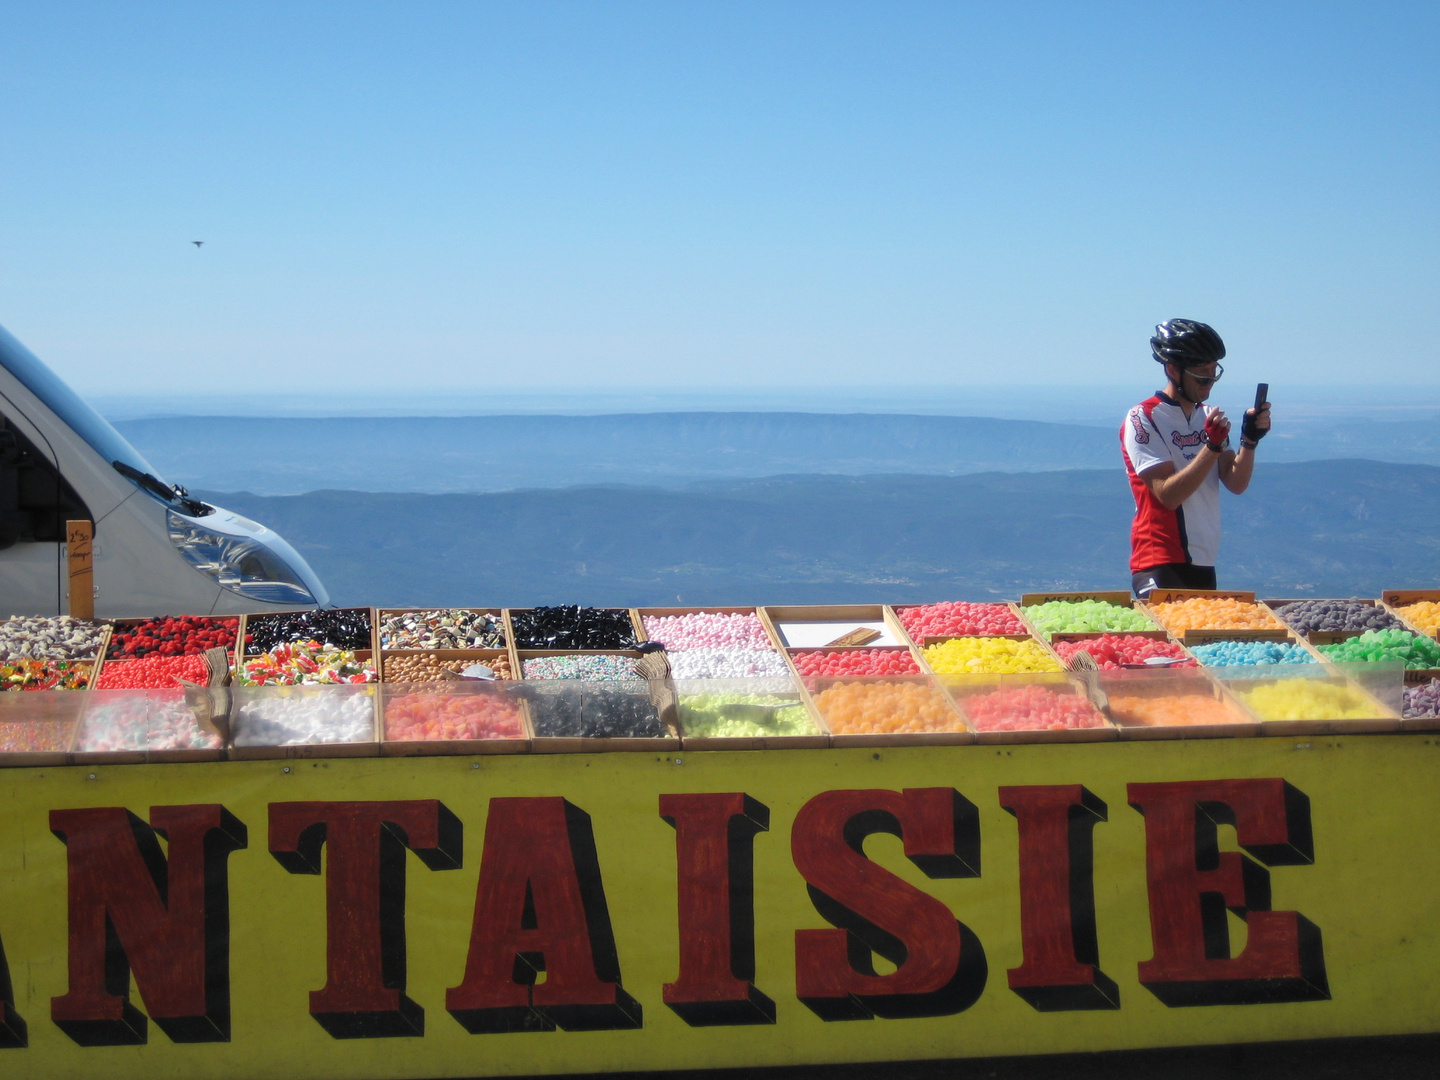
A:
[988,656]
[1425,614]
[1306,699]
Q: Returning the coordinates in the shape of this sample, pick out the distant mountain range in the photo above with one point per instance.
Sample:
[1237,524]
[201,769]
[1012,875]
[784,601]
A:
[1324,528]
[667,450]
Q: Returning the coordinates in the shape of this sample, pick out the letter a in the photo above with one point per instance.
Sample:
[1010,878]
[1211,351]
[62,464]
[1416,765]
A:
[540,908]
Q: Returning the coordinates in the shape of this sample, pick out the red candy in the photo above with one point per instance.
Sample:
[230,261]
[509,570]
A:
[1111,651]
[426,717]
[1030,708]
[880,661]
[187,635]
[958,619]
[152,672]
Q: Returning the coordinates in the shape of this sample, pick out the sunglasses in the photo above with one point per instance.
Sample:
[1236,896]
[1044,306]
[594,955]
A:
[1206,380]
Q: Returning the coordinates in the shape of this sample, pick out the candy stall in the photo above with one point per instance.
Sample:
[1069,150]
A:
[669,838]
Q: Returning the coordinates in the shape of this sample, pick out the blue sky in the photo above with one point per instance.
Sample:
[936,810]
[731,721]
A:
[429,198]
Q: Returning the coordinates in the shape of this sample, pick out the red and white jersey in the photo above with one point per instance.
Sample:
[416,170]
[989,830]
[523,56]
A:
[1154,432]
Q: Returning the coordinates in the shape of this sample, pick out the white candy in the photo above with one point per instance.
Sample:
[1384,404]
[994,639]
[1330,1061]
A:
[293,716]
[726,663]
[38,637]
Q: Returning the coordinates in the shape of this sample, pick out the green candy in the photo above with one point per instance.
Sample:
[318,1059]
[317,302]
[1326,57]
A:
[1085,617]
[1375,646]
[735,716]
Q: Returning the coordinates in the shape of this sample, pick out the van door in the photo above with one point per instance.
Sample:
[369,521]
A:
[35,503]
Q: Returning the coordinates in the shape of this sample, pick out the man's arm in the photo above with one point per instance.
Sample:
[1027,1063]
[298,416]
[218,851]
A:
[1172,488]
[1237,468]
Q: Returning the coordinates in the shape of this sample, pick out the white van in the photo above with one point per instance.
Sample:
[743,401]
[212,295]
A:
[156,550]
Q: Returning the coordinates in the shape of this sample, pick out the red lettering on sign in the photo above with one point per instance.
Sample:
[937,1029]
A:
[540,910]
[714,834]
[1192,883]
[13,1031]
[940,965]
[1057,899]
[364,993]
[167,920]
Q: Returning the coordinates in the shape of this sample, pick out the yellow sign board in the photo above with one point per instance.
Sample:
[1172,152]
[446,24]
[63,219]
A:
[540,914]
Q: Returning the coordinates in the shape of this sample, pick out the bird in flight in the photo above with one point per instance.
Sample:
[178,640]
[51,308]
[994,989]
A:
[197,243]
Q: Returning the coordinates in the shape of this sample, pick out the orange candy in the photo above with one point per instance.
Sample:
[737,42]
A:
[1208,613]
[856,708]
[427,717]
[1177,710]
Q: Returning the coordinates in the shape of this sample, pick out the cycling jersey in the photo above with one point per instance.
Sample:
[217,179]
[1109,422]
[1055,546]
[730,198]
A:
[1154,432]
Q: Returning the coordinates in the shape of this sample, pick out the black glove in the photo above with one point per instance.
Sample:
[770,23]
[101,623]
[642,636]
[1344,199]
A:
[1250,429]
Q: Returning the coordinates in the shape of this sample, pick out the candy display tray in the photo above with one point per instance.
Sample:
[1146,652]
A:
[369,747]
[242,653]
[812,687]
[465,747]
[1321,637]
[98,699]
[1146,684]
[843,650]
[1383,720]
[842,615]
[961,687]
[57,714]
[95,661]
[934,639]
[662,612]
[924,663]
[659,691]
[118,626]
[477,656]
[1116,597]
[819,740]
[382,613]
[511,638]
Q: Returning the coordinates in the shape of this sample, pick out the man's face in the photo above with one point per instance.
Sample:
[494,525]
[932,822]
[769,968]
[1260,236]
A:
[1196,381]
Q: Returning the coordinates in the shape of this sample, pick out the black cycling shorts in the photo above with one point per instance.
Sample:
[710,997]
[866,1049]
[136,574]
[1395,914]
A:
[1175,575]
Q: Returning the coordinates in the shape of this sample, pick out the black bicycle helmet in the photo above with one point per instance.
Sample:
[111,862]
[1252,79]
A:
[1185,343]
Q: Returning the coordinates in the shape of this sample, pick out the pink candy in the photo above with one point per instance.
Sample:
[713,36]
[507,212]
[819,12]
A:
[708,630]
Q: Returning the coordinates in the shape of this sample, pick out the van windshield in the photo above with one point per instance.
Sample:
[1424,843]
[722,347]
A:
[72,410]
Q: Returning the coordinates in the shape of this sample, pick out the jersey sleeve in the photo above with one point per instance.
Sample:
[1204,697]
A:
[1142,442]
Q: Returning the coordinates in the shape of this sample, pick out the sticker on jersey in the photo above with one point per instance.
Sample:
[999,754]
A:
[1141,435]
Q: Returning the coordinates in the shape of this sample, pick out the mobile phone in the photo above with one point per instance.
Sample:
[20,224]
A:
[1261,392]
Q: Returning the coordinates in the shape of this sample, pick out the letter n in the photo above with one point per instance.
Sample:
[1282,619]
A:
[940,964]
[167,920]
[715,860]
[1192,884]
[1057,899]
[542,953]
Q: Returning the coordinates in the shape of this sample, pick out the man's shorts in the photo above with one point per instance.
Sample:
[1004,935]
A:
[1175,575]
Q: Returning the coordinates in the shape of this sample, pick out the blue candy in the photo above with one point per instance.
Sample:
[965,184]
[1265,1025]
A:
[1250,653]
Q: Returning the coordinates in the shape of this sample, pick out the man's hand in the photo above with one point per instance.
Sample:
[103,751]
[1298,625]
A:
[1255,426]
[1217,430]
